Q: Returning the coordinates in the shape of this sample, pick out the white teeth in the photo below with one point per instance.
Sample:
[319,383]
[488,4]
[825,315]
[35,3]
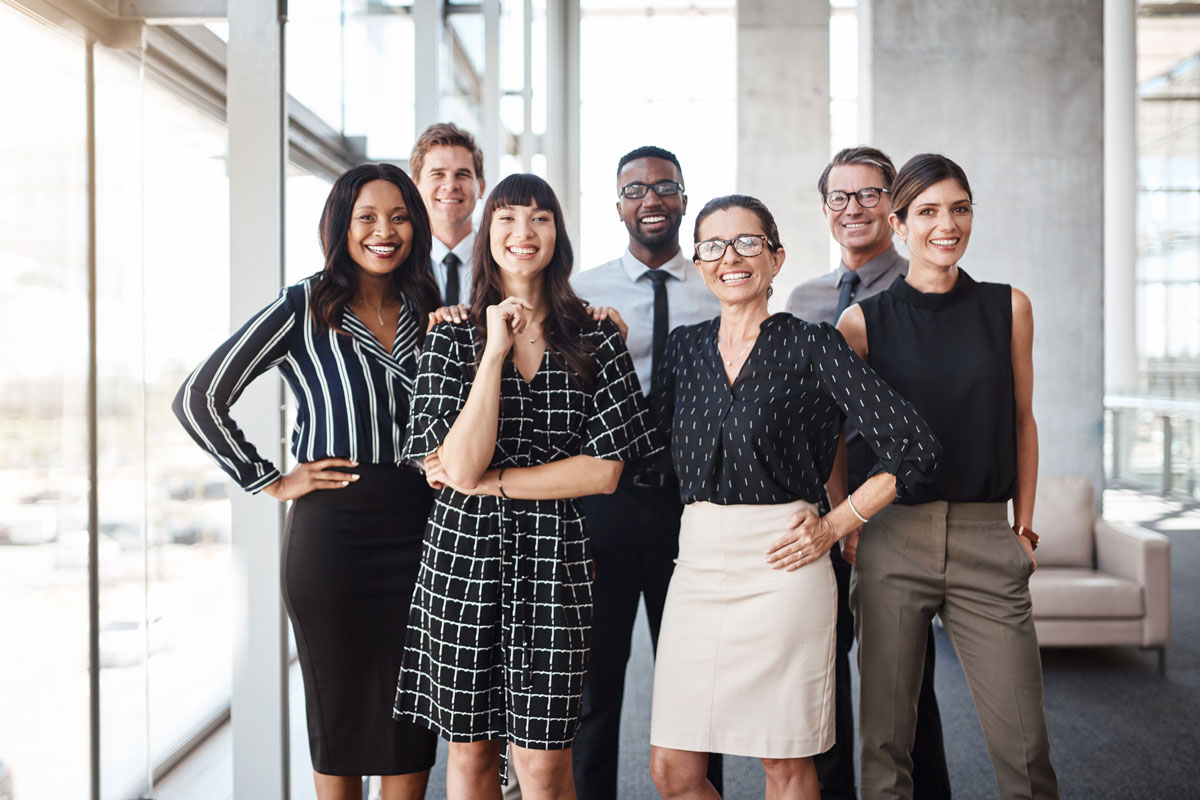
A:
[730,277]
[652,220]
[523,251]
[944,242]
[382,249]
[449,200]
[857,224]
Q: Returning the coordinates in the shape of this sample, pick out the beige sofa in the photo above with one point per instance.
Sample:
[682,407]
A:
[1098,583]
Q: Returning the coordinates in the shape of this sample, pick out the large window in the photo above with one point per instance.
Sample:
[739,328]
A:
[162,304]
[43,431]
[1168,214]
[661,73]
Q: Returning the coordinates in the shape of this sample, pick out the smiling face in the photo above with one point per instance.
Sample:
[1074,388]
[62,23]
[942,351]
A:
[652,221]
[381,234]
[937,226]
[449,187]
[735,278]
[522,240]
[862,233]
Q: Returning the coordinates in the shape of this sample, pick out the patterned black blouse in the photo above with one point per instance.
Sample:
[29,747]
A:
[772,436]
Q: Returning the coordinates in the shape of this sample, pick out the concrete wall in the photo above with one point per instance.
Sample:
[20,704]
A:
[1012,91]
[783,125]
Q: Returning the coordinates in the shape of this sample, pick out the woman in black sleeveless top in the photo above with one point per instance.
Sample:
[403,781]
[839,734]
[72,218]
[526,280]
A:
[961,352]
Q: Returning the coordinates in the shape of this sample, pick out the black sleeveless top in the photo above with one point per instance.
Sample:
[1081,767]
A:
[950,355]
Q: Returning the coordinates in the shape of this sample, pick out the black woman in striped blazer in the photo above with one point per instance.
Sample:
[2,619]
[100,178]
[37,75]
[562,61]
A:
[345,340]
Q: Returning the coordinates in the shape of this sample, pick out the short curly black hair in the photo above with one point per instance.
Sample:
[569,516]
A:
[649,151]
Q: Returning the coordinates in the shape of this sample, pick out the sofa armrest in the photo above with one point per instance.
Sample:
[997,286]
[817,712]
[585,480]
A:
[1141,555]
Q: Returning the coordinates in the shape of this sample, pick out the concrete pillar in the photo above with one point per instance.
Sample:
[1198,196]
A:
[429,19]
[257,166]
[1120,197]
[1013,91]
[783,124]
[562,139]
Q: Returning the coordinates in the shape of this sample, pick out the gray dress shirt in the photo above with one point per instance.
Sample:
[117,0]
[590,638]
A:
[622,283]
[465,250]
[816,299]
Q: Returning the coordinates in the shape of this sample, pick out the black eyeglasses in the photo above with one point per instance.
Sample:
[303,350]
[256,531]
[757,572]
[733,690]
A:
[746,244]
[867,198]
[634,191]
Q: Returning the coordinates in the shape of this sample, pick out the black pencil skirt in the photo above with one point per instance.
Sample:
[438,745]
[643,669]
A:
[349,564]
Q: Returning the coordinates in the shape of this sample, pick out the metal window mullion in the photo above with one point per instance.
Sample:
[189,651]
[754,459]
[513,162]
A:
[93,441]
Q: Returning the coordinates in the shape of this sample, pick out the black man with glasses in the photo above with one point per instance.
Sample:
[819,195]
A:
[635,531]
[855,187]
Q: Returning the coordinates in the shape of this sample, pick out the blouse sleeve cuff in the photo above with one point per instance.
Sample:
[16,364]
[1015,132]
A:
[913,463]
[428,433]
[258,484]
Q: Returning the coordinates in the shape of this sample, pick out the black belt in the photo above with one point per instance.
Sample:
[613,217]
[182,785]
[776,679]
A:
[647,478]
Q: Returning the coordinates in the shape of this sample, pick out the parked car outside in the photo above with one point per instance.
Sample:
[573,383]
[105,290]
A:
[6,782]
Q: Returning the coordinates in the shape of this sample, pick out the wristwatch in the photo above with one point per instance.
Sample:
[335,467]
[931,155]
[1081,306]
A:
[1028,533]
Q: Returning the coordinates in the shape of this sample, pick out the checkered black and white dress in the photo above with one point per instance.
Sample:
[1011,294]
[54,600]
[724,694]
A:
[500,625]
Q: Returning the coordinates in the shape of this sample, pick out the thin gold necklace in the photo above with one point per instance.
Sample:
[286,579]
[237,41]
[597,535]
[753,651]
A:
[541,330]
[378,311]
[746,349]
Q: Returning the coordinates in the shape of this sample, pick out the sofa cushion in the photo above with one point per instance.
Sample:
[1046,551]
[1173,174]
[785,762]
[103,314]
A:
[1062,516]
[1083,594]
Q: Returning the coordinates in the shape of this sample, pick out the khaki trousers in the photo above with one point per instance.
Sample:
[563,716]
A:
[962,561]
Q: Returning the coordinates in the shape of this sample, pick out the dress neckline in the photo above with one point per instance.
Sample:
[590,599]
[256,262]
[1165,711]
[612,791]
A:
[963,288]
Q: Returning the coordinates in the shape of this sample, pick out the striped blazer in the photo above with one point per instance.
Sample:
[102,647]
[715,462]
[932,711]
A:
[352,395]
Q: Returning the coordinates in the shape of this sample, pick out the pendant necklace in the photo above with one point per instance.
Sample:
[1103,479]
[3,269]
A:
[378,311]
[533,339]
[746,349]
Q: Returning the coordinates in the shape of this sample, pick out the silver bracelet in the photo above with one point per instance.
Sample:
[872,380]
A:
[850,502]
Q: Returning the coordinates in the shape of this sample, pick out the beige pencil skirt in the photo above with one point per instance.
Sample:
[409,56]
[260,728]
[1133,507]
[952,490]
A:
[745,654]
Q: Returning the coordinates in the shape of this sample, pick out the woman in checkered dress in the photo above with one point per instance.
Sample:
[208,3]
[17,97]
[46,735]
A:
[518,411]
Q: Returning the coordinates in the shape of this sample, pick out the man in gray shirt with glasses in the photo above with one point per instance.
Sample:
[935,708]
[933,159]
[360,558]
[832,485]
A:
[855,187]
[635,531]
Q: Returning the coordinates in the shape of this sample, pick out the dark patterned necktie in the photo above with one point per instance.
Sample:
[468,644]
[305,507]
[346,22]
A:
[661,318]
[849,283]
[451,262]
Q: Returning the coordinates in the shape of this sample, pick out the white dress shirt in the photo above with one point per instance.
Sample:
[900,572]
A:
[623,284]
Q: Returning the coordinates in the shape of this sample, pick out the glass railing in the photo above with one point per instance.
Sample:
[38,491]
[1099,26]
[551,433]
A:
[1153,444]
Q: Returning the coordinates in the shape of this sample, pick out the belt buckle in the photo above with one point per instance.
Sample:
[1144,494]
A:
[649,479]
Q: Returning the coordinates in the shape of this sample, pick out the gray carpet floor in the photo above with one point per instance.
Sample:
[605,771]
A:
[1117,729]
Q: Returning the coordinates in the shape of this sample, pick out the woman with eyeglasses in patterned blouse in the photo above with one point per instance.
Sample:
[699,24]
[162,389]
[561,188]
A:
[754,403]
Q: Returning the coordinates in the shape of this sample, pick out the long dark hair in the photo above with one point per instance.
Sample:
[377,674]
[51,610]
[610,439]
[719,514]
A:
[412,280]
[568,315]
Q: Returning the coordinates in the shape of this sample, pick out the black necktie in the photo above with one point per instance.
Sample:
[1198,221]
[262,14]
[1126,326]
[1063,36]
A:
[849,284]
[661,319]
[451,263]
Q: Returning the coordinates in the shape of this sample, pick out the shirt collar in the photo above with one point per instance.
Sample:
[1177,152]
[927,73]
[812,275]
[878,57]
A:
[678,267]
[464,249]
[874,269]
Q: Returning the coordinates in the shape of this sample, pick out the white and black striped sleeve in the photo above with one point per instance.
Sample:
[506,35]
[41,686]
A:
[203,401]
